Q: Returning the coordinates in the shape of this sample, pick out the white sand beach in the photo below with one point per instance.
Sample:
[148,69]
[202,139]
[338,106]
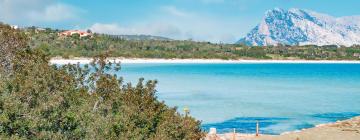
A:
[341,130]
[196,61]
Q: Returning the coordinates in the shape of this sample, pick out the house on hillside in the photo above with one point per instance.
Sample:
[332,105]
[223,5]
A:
[72,32]
[14,27]
[38,30]
[356,55]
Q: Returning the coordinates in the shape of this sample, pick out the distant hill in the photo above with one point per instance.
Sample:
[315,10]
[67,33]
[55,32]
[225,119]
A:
[303,27]
[140,37]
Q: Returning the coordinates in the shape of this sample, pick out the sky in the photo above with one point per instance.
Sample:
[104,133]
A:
[202,20]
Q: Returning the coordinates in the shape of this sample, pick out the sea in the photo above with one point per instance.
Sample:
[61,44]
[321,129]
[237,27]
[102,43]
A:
[281,97]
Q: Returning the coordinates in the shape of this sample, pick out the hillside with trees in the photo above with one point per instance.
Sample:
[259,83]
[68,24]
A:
[54,45]
[42,101]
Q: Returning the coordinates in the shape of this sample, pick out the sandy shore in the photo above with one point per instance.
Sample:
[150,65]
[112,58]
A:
[341,130]
[199,61]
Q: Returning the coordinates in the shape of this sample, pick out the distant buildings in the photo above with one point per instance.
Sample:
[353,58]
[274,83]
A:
[72,32]
[14,26]
[38,30]
[356,55]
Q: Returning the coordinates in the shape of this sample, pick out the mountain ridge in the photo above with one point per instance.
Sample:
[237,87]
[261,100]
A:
[303,27]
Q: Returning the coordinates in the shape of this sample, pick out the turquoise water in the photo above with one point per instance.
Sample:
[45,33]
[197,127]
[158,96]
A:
[282,97]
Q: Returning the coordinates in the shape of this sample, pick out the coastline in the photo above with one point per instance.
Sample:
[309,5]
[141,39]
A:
[346,129]
[84,60]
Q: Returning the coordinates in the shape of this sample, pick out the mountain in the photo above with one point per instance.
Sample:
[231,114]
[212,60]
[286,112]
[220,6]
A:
[140,37]
[303,27]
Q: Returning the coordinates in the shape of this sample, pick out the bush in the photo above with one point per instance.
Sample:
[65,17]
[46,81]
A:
[39,101]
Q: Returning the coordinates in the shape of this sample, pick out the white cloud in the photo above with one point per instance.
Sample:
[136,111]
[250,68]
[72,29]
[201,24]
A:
[182,30]
[173,23]
[176,24]
[201,27]
[107,28]
[175,11]
[35,11]
[53,13]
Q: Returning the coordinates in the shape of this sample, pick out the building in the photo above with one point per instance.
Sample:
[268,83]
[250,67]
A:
[71,32]
[14,27]
[356,55]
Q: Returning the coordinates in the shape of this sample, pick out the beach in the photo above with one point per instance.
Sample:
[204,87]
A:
[340,130]
[83,60]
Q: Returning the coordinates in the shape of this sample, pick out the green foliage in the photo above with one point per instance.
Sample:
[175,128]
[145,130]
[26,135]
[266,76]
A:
[75,36]
[253,52]
[113,46]
[10,42]
[39,101]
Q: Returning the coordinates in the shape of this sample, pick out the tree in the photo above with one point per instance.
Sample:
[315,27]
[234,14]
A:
[39,101]
[11,41]
[75,36]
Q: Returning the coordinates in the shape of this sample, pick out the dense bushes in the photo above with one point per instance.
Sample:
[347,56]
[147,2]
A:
[39,101]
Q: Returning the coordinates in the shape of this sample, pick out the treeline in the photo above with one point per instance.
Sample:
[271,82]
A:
[74,46]
[42,101]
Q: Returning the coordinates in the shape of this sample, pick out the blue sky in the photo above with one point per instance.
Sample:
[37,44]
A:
[202,20]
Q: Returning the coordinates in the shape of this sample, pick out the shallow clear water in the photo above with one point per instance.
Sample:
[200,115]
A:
[282,97]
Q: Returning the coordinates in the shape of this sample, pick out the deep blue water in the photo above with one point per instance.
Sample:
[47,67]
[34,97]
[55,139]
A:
[282,97]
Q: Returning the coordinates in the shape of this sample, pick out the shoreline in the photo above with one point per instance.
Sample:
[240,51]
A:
[345,129]
[84,60]
[349,128]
